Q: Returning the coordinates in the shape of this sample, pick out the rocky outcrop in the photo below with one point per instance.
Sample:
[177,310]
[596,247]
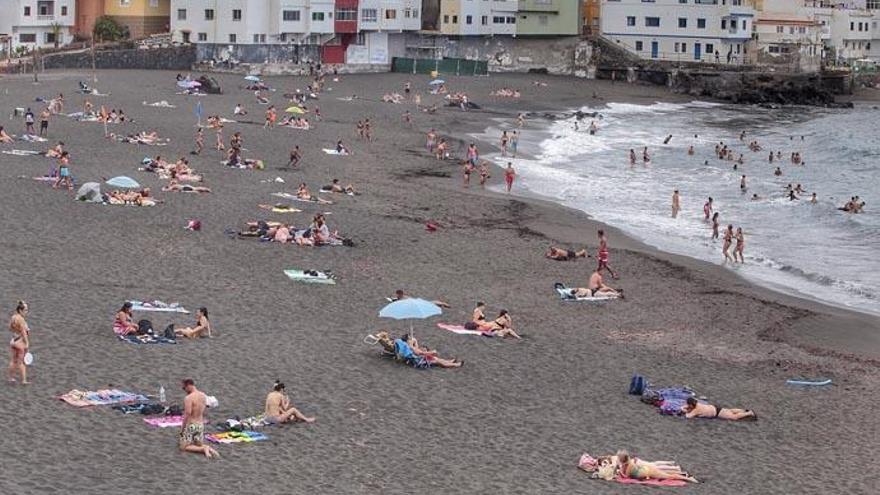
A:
[761,88]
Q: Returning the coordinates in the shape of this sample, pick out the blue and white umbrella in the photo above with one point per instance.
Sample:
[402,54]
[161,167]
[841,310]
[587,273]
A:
[123,182]
[410,309]
[252,78]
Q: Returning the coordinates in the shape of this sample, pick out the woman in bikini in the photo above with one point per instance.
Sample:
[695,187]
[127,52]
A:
[19,344]
[696,409]
[740,245]
[203,326]
[630,467]
[715,225]
[728,238]
[122,324]
[503,326]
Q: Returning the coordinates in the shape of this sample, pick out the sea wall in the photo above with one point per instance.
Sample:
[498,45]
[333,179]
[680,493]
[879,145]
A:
[169,58]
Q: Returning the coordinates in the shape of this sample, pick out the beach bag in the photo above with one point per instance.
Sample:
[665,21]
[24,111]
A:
[637,385]
[169,332]
[145,327]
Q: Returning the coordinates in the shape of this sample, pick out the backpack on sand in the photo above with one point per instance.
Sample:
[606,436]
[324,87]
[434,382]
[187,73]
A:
[637,385]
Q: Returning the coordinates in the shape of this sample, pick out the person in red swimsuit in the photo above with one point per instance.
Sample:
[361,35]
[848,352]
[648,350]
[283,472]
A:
[603,254]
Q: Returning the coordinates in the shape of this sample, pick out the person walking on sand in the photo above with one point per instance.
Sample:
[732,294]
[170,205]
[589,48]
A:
[20,343]
[509,175]
[504,140]
[484,173]
[740,245]
[295,156]
[520,120]
[430,140]
[64,172]
[192,431]
[468,168]
[200,142]
[278,408]
[472,154]
[707,210]
[220,145]
[602,254]
[270,117]
[725,247]
[715,225]
[676,203]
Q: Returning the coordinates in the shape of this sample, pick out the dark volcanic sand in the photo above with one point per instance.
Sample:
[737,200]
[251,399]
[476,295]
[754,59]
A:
[514,419]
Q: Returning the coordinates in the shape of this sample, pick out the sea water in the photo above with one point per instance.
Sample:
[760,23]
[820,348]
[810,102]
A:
[810,250]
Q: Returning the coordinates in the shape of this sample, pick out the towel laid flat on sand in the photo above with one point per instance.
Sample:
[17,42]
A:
[164,421]
[809,383]
[334,152]
[30,138]
[461,330]
[631,481]
[80,398]
[236,437]
[294,197]
[567,295]
[310,276]
[146,339]
[157,306]
[23,152]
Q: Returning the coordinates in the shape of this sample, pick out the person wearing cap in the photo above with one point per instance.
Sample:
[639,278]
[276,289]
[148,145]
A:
[192,431]
[278,407]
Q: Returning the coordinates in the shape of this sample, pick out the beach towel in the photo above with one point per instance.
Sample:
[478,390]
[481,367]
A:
[146,339]
[294,197]
[461,330]
[30,138]
[335,152]
[651,482]
[23,152]
[236,437]
[246,424]
[567,295]
[157,306]
[80,398]
[310,276]
[164,421]
[160,104]
[809,383]
[668,400]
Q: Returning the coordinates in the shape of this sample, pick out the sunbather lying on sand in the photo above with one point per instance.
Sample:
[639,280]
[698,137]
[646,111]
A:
[279,410]
[334,187]
[279,208]
[303,193]
[295,122]
[203,326]
[4,137]
[559,254]
[138,198]
[174,186]
[505,92]
[390,345]
[622,465]
[399,295]
[499,327]
[122,324]
[148,138]
[696,409]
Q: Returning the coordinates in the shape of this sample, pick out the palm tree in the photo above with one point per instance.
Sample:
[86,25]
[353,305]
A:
[56,32]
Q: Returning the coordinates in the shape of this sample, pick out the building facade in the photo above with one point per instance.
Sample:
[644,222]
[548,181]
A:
[37,23]
[141,18]
[549,17]
[716,31]
[847,29]
[478,18]
[787,35]
[592,18]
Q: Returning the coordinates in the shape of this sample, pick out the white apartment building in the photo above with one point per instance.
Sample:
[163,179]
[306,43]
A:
[478,17]
[392,16]
[786,34]
[36,23]
[681,30]
[847,28]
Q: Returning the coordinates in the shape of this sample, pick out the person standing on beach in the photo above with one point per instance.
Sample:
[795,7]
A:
[295,156]
[19,344]
[484,173]
[472,154]
[407,118]
[29,122]
[44,122]
[468,168]
[430,140]
[64,172]
[504,140]
[645,156]
[707,210]
[200,142]
[192,431]
[520,120]
[514,143]
[509,175]
[740,245]
[715,225]
[220,145]
[725,247]
[676,203]
[602,254]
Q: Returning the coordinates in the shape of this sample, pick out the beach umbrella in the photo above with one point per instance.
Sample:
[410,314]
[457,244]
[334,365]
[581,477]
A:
[123,182]
[437,82]
[410,309]
[252,78]
[296,110]
[90,191]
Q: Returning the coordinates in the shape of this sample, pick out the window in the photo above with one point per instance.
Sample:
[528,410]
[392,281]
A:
[511,20]
[290,15]
[236,15]
[701,23]
[682,22]
[676,47]
[723,23]
[27,38]
[360,39]
[317,16]
[27,13]
[652,22]
[49,37]
[154,4]
[256,38]
[347,15]
[392,14]
[710,48]
[203,36]
[181,14]
[684,48]
[630,20]
[455,19]
[852,26]
[209,14]
[484,20]
[445,19]
[369,15]
[638,46]
[125,3]
[497,20]
[469,20]
[63,11]
[780,29]
[407,12]
[233,38]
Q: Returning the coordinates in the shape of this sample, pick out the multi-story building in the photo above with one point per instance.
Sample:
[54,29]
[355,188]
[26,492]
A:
[480,18]
[139,18]
[847,29]
[592,17]
[786,34]
[684,30]
[37,23]
[548,17]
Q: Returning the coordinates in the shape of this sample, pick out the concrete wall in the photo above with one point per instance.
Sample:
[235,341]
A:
[175,58]
[258,54]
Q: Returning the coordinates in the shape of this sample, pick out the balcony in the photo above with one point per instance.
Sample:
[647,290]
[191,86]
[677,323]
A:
[46,17]
[536,6]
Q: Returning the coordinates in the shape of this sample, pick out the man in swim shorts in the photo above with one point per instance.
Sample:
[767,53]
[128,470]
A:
[192,431]
[559,254]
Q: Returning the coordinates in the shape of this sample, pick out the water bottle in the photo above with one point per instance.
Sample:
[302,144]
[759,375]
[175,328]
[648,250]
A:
[162,394]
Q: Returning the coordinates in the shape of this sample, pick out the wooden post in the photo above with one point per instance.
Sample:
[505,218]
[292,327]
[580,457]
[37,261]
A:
[35,54]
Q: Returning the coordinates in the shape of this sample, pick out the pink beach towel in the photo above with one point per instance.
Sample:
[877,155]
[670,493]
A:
[164,421]
[461,330]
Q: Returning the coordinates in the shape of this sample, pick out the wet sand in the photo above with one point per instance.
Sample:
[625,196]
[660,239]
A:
[514,419]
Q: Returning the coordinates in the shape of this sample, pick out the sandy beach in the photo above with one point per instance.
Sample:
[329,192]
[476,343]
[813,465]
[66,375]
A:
[514,419]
